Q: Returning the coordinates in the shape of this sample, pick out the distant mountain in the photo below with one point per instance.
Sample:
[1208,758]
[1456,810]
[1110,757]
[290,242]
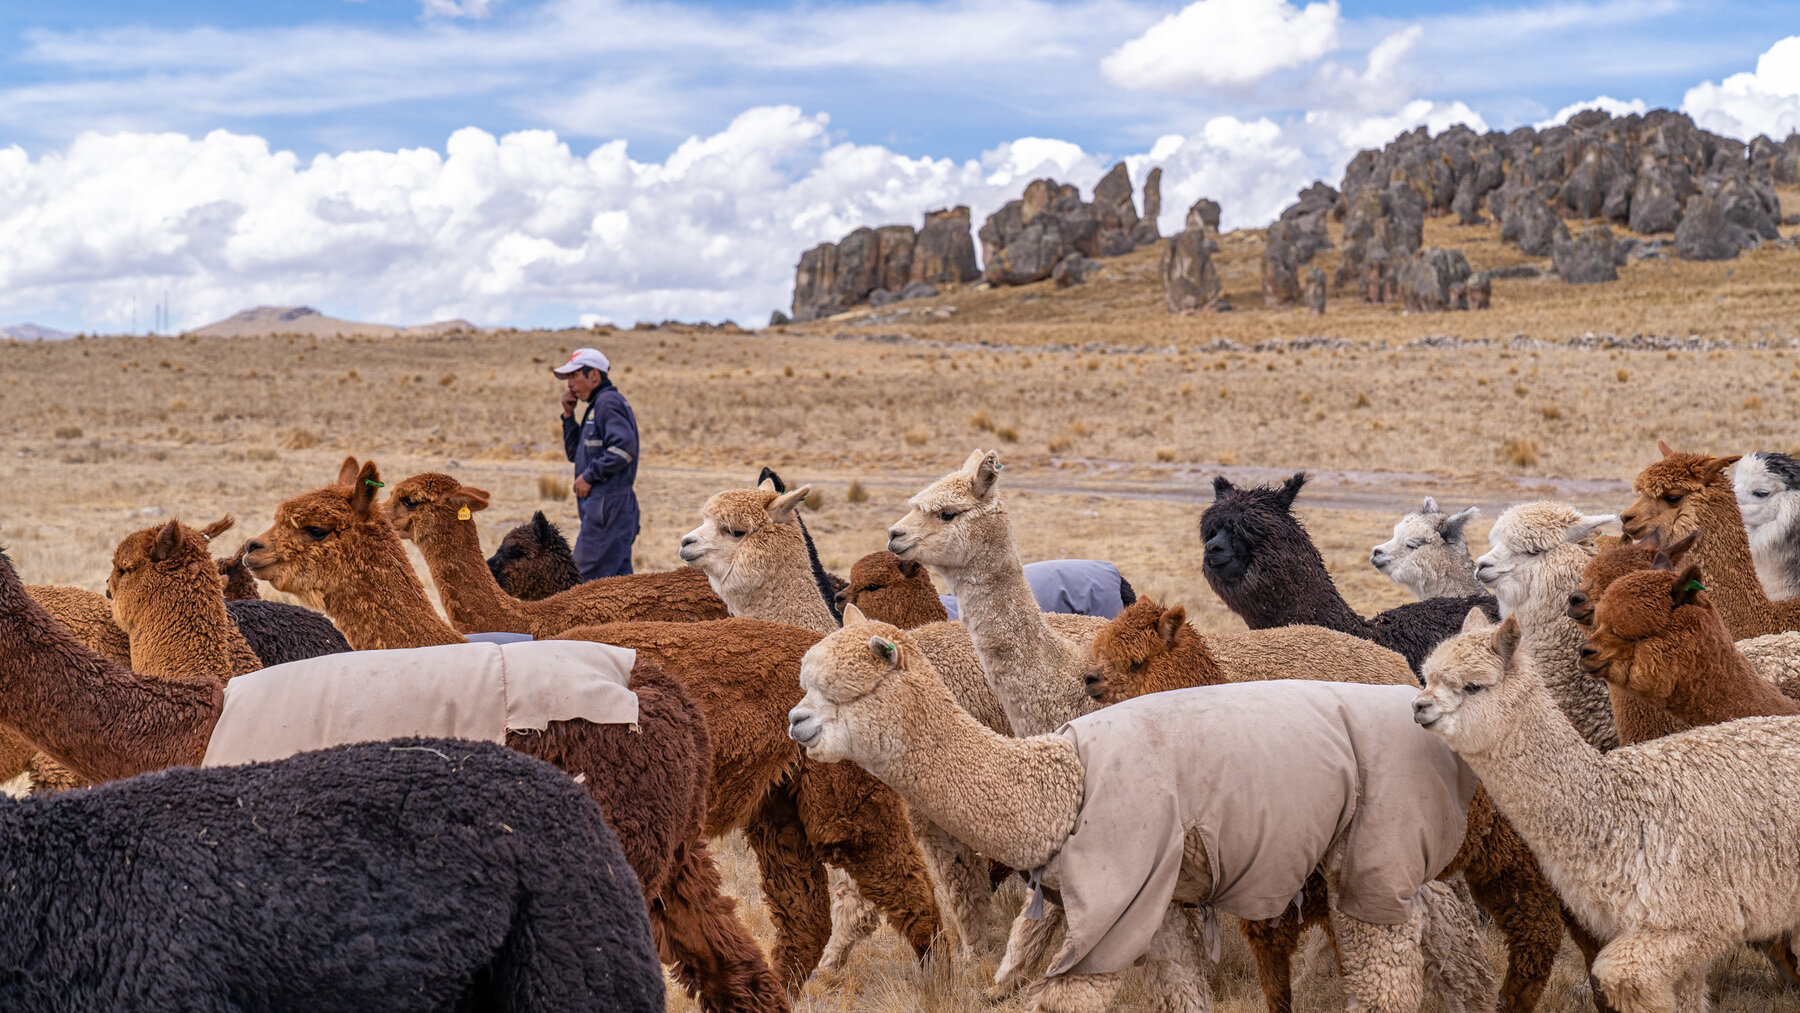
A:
[33,332]
[265,320]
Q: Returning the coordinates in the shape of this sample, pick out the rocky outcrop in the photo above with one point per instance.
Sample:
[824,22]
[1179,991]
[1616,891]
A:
[1190,281]
[1025,240]
[1434,280]
[1313,290]
[1146,231]
[1073,269]
[1204,214]
[1382,229]
[833,277]
[1588,258]
[944,253]
[1730,215]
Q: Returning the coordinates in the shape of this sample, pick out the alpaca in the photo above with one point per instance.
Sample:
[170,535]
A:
[1634,719]
[534,561]
[168,599]
[335,546]
[1534,563]
[1682,493]
[437,513]
[830,584]
[1673,850]
[449,874]
[1767,485]
[892,590]
[740,530]
[240,584]
[1428,554]
[277,631]
[87,615]
[1262,564]
[872,697]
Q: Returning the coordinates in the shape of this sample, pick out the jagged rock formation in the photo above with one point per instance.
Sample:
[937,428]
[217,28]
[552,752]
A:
[1025,240]
[893,259]
[1146,231]
[1204,214]
[1190,281]
[1293,239]
[1588,258]
[1434,280]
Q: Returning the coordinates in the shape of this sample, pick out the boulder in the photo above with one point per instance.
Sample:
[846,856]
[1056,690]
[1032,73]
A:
[1588,258]
[815,283]
[1112,201]
[1308,216]
[1382,229]
[894,256]
[1204,215]
[1146,231]
[1427,277]
[921,290]
[1190,282]
[1313,291]
[858,268]
[1480,290]
[944,252]
[1073,269]
[778,318]
[1707,233]
[1655,201]
[1001,228]
[1028,258]
[883,297]
[1281,265]
[1466,204]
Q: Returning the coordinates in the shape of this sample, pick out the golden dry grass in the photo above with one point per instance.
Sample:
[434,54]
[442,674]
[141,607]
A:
[1110,450]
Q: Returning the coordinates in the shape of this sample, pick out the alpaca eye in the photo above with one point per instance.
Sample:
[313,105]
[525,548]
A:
[867,588]
[1761,494]
[736,533]
[1474,687]
[946,515]
[1672,498]
[316,534]
[1414,545]
[408,502]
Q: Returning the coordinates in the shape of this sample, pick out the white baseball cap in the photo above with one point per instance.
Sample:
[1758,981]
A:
[589,357]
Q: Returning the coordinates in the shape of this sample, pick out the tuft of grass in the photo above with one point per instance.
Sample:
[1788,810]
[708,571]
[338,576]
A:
[68,432]
[1165,454]
[1520,390]
[979,420]
[1187,389]
[300,439]
[1362,400]
[815,499]
[856,493]
[1551,412]
[1059,444]
[1753,403]
[1520,452]
[1622,374]
[447,380]
[553,487]
[1007,433]
[178,404]
[917,436]
[260,454]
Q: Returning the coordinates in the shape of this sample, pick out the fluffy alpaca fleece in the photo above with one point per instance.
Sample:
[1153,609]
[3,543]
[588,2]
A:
[168,599]
[1767,485]
[1428,554]
[830,584]
[1262,564]
[892,590]
[795,812]
[437,513]
[279,632]
[88,616]
[488,878]
[1669,894]
[747,544]
[1535,563]
[1634,719]
[871,697]
[1149,649]
[534,561]
[240,583]
[1683,493]
[335,546]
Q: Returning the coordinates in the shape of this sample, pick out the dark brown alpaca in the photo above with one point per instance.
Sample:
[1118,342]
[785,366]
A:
[795,812]
[1636,719]
[534,561]
[892,590]
[335,546]
[436,513]
[240,583]
[1149,649]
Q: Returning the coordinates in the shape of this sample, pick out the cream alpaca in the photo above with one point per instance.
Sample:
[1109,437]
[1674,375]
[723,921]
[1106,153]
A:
[1674,850]
[742,533]
[1428,554]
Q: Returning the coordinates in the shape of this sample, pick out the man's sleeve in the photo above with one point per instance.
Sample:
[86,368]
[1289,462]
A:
[571,435]
[618,441]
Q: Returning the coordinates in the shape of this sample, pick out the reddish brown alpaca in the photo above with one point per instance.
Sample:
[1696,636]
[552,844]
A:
[1637,720]
[892,590]
[167,597]
[795,812]
[1683,493]
[335,546]
[1149,649]
[240,583]
[436,513]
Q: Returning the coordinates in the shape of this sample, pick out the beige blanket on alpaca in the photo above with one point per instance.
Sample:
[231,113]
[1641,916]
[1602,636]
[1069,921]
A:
[1273,777]
[459,691]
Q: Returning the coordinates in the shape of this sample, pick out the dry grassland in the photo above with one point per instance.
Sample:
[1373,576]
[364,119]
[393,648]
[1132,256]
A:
[1110,450]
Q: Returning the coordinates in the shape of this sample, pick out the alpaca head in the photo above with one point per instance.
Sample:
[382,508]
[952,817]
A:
[1767,485]
[156,565]
[534,560]
[1671,492]
[955,520]
[1615,561]
[240,583]
[1139,648]
[854,681]
[1472,682]
[742,533]
[428,504]
[1646,613]
[1426,543]
[1538,549]
[1251,536]
[882,584]
[328,538]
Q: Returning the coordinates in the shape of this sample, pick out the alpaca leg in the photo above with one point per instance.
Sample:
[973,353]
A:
[1178,967]
[1273,943]
[1455,963]
[1026,947]
[1590,946]
[1529,915]
[1076,993]
[860,824]
[963,882]
[697,931]
[853,919]
[1655,973]
[1384,970]
[793,886]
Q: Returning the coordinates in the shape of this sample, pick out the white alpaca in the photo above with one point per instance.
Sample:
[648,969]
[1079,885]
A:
[1767,485]
[1428,554]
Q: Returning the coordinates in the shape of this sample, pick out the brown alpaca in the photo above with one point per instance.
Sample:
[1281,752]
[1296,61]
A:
[335,546]
[534,560]
[436,513]
[795,812]
[1147,649]
[167,597]
[892,590]
[1636,719]
[1683,493]
[87,615]
[240,583]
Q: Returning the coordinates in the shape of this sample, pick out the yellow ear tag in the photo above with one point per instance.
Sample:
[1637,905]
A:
[463,514]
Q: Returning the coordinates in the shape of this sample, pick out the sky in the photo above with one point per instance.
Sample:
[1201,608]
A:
[549,162]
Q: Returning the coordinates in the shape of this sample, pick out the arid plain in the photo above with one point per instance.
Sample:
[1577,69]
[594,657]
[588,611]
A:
[1112,415]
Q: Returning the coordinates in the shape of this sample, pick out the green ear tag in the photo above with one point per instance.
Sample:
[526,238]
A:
[378,485]
[1693,585]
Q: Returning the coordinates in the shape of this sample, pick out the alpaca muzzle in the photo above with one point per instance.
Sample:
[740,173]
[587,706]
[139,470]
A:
[1425,711]
[804,727]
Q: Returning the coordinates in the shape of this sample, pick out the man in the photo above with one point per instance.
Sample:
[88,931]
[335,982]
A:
[604,447]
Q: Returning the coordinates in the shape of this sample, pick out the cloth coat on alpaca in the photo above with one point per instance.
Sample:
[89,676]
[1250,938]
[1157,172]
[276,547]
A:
[604,449]
[1274,777]
[1083,587]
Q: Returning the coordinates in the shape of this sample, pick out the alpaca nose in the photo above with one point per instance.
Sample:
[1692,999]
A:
[1577,606]
[252,547]
[1377,557]
[842,597]
[1422,711]
[1218,550]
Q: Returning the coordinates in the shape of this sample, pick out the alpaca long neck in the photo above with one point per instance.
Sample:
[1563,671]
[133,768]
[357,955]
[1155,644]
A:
[184,632]
[1033,670]
[1013,800]
[782,589]
[1730,573]
[1189,663]
[385,607]
[94,716]
[1713,683]
[471,596]
[1639,720]
[1776,549]
[1452,576]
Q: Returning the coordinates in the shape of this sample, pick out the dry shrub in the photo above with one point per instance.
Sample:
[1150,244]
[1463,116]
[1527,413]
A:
[1059,444]
[1520,452]
[917,436]
[553,487]
[1186,389]
[1362,400]
[259,454]
[1623,374]
[301,439]
[856,493]
[1551,412]
[1520,390]
[1081,429]
[1753,403]
[447,380]
[1165,454]
[815,499]
[1007,433]
[980,421]
[178,404]
[68,432]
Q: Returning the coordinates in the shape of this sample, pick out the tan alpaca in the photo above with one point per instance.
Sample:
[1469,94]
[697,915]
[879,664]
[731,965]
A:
[744,537]
[871,697]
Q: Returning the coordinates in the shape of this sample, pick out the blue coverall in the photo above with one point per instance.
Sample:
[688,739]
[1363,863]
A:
[604,447]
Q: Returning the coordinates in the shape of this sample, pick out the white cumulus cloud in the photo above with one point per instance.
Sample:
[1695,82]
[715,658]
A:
[1604,103]
[1224,44]
[1764,101]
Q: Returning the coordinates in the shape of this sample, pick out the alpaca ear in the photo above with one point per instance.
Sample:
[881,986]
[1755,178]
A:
[1475,620]
[1712,466]
[347,471]
[1170,623]
[852,614]
[910,568]
[781,510]
[1451,527]
[972,462]
[1430,506]
[986,474]
[886,650]
[1506,640]
[540,527]
[1664,447]
[471,497]
[767,485]
[363,489]
[767,479]
[1584,529]
[1291,489]
[167,541]
[1687,586]
[218,527]
[1221,486]
[1681,546]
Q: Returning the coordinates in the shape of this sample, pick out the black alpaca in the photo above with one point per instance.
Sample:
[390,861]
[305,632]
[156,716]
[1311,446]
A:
[1263,565]
[280,633]
[534,561]
[429,875]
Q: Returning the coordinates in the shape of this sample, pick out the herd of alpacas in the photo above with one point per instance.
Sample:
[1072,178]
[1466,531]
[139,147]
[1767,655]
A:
[366,803]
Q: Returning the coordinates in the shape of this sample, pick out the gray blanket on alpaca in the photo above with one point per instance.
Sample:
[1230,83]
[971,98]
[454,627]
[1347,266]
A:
[1083,587]
[1273,777]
